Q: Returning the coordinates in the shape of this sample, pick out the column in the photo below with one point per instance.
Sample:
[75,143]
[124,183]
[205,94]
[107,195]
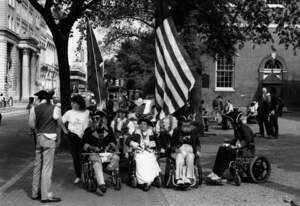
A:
[3,65]
[33,72]
[25,74]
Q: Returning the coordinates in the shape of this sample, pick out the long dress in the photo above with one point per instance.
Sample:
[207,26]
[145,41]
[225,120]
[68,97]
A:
[147,168]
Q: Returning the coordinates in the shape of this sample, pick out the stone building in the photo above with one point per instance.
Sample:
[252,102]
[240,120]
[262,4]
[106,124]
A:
[28,59]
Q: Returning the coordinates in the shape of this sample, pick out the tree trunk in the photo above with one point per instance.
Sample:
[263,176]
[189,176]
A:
[61,44]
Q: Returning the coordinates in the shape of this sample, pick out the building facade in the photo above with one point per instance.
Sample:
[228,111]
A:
[28,59]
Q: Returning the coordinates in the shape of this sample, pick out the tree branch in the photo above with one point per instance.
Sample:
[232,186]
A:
[135,18]
[48,5]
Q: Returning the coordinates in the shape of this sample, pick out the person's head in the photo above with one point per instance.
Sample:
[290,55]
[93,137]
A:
[185,123]
[111,96]
[220,97]
[97,118]
[122,113]
[264,90]
[1,94]
[144,123]
[273,91]
[31,100]
[78,102]
[228,101]
[242,120]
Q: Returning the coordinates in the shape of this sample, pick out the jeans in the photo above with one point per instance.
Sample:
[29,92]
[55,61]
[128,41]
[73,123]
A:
[76,150]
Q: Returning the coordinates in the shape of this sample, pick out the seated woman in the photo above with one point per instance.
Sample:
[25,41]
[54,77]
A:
[100,138]
[227,152]
[185,144]
[144,142]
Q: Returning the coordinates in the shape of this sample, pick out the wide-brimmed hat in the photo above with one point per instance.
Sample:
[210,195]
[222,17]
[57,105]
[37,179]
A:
[44,93]
[123,111]
[146,119]
[99,112]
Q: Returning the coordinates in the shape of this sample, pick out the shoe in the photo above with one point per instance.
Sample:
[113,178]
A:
[179,182]
[216,178]
[211,175]
[103,188]
[259,135]
[147,187]
[271,137]
[77,180]
[53,199]
[187,181]
[37,198]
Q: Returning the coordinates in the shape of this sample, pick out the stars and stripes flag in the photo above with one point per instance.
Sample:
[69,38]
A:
[174,79]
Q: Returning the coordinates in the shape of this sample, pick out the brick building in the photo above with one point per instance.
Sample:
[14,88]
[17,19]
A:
[240,78]
[28,59]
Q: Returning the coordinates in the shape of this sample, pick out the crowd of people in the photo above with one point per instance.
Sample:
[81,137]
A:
[122,134]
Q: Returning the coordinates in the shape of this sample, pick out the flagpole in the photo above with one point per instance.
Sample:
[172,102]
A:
[95,63]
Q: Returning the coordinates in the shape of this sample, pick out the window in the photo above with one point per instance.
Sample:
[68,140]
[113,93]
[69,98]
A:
[18,28]
[9,22]
[225,73]
[274,65]
[12,24]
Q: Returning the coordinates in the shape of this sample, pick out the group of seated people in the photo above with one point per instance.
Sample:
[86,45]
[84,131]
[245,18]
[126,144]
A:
[125,134]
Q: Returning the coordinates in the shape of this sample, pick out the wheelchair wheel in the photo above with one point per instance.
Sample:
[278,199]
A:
[92,185]
[260,169]
[158,181]
[84,176]
[237,180]
[133,182]
[199,171]
[167,173]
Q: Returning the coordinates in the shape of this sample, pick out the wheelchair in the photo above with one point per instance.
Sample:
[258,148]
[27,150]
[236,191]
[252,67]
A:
[246,165]
[88,174]
[170,171]
[132,170]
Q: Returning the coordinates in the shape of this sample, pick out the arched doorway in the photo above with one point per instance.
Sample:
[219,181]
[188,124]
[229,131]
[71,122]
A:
[273,66]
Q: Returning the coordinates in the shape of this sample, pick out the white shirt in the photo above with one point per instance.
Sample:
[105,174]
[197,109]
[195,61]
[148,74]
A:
[120,123]
[32,119]
[78,121]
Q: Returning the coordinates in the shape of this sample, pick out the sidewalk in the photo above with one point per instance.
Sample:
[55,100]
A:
[19,194]
[15,107]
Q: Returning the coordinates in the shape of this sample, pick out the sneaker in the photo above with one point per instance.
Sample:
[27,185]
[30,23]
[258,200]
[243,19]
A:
[216,178]
[77,180]
[211,175]
[103,188]
[187,181]
[179,182]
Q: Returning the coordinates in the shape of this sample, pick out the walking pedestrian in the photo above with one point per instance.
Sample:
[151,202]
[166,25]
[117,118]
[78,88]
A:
[44,118]
[78,119]
[217,108]
[263,113]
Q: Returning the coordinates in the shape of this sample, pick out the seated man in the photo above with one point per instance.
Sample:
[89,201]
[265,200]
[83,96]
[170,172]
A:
[100,138]
[227,152]
[185,144]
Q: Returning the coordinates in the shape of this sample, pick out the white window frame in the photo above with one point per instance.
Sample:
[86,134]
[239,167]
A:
[276,5]
[232,70]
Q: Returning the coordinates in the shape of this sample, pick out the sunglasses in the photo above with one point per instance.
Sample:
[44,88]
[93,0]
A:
[96,118]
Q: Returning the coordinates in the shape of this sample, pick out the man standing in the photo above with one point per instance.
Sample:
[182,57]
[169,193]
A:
[262,113]
[44,118]
[217,107]
[273,114]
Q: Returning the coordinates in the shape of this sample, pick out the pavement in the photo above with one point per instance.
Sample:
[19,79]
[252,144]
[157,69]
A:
[15,107]
[282,188]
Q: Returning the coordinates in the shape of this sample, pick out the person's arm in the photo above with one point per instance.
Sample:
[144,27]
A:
[64,119]
[32,118]
[247,137]
[175,144]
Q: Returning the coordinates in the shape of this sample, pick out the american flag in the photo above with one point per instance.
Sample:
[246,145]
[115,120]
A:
[174,78]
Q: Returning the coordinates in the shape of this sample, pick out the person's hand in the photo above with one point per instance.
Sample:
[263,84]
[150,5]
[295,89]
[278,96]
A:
[134,145]
[96,149]
[152,144]
[198,153]
[177,150]
[272,112]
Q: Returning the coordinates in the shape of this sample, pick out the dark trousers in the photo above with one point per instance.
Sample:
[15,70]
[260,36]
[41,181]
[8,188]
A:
[262,119]
[274,125]
[76,150]
[164,139]
[224,156]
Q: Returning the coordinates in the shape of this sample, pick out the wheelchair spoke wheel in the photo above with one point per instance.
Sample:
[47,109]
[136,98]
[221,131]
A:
[199,171]
[167,173]
[260,169]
